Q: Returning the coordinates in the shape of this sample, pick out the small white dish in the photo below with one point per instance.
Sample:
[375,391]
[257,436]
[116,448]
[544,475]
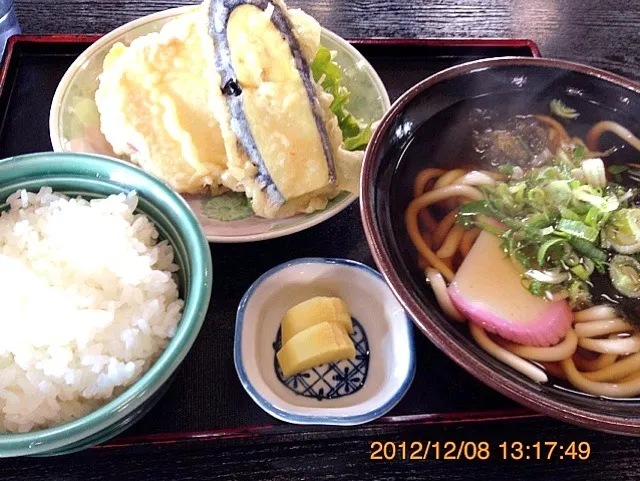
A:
[391,360]
[74,126]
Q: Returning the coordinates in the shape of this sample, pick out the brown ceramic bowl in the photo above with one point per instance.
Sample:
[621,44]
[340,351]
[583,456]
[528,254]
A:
[424,128]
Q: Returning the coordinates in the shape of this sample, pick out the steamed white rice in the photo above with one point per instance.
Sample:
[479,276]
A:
[87,303]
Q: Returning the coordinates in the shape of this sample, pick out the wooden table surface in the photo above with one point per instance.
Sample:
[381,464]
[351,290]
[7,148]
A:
[604,33]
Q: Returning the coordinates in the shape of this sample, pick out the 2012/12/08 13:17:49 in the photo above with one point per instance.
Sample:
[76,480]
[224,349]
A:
[478,450]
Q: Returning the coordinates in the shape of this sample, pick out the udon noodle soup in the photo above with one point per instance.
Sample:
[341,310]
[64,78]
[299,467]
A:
[533,242]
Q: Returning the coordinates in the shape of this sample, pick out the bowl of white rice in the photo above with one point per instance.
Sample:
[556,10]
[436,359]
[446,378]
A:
[105,280]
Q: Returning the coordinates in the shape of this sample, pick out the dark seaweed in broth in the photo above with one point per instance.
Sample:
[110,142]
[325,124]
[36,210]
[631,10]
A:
[446,140]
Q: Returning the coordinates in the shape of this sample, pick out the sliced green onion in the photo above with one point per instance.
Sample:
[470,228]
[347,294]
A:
[506,169]
[478,207]
[568,214]
[559,192]
[536,195]
[558,221]
[589,265]
[579,295]
[519,187]
[590,195]
[491,228]
[594,172]
[582,210]
[617,169]
[571,259]
[475,207]
[626,222]
[548,173]
[588,249]
[591,218]
[538,288]
[548,277]
[513,224]
[465,221]
[539,220]
[578,152]
[622,231]
[625,275]
[578,229]
[522,259]
[561,110]
[541,256]
[581,272]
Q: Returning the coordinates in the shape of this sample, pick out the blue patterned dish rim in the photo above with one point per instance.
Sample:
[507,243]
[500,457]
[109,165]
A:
[310,418]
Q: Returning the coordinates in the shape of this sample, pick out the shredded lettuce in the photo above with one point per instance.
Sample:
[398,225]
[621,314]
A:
[328,74]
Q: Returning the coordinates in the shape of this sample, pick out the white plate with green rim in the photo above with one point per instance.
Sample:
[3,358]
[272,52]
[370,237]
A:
[74,126]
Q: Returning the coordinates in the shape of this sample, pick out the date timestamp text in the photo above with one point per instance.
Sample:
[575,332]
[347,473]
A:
[479,450]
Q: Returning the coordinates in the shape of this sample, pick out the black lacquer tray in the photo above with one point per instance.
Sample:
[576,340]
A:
[206,401]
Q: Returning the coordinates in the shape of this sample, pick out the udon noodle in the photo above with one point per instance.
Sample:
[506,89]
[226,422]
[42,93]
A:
[600,353]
